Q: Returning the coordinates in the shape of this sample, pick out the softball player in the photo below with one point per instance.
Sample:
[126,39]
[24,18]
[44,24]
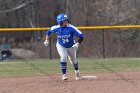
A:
[66,45]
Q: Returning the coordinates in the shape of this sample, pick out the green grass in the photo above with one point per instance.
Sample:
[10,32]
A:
[41,67]
[103,65]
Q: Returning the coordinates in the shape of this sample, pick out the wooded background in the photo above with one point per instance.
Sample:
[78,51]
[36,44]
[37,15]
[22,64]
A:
[42,13]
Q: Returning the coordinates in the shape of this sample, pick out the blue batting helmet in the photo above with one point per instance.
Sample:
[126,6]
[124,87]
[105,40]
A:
[61,17]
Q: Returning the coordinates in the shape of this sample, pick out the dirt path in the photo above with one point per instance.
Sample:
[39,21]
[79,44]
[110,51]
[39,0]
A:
[125,82]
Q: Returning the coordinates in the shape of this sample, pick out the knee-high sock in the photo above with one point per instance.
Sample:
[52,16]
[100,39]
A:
[75,66]
[63,66]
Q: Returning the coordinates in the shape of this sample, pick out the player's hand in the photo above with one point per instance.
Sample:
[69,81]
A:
[75,46]
[46,42]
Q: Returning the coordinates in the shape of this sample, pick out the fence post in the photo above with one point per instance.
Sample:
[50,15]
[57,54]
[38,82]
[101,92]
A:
[50,49]
[103,44]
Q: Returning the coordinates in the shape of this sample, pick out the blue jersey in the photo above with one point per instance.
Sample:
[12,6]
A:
[65,35]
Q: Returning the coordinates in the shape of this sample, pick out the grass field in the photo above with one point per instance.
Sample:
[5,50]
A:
[44,67]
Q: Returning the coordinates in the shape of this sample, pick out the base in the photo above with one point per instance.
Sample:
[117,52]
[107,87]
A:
[89,77]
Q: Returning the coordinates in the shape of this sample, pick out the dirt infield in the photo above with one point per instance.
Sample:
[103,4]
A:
[124,82]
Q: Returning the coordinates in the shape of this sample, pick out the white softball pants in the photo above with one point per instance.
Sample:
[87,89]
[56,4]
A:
[67,52]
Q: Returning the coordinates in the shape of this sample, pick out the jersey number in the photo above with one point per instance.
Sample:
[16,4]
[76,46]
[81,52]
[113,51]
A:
[65,40]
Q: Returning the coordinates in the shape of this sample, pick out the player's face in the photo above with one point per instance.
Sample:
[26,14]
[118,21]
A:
[65,23]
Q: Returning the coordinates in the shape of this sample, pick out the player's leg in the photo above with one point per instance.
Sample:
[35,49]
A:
[73,60]
[62,51]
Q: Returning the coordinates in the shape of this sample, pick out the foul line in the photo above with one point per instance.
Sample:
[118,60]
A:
[38,69]
[132,82]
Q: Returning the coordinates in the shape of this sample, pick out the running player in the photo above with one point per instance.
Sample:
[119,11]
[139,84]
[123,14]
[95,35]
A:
[66,45]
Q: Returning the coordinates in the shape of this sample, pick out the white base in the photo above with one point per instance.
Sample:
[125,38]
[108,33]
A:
[89,77]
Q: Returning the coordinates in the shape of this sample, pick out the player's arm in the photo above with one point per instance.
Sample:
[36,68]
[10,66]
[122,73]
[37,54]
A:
[46,42]
[47,37]
[80,39]
[48,33]
[80,36]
